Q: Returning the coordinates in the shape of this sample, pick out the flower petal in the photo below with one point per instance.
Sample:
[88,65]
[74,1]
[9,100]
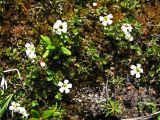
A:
[131,38]
[55,26]
[67,90]
[10,107]
[138,75]
[104,23]
[32,46]
[61,89]
[27,45]
[109,22]
[69,85]
[133,67]
[110,16]
[141,70]
[138,65]
[13,103]
[21,110]
[28,51]
[58,31]
[59,22]
[32,55]
[124,29]
[130,28]
[66,81]
[64,30]
[64,24]
[101,18]
[60,84]
[132,72]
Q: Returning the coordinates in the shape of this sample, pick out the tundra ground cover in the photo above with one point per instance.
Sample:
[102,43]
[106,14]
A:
[79,59]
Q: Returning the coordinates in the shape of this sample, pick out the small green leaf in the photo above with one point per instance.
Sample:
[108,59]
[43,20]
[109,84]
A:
[47,114]
[45,55]
[33,119]
[35,114]
[50,47]
[46,40]
[56,57]
[1,92]
[49,78]
[65,51]
[34,103]
[49,72]
[58,96]
[56,114]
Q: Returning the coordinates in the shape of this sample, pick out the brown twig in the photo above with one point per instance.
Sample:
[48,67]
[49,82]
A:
[144,117]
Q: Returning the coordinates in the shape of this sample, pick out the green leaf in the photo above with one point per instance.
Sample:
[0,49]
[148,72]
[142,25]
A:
[45,55]
[56,57]
[159,117]
[47,114]
[34,103]
[35,114]
[33,119]
[49,78]
[8,99]
[46,40]
[49,72]
[1,92]
[65,51]
[50,47]
[56,114]
[58,96]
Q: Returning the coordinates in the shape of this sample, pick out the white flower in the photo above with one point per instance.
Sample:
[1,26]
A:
[3,83]
[43,64]
[14,107]
[60,27]
[94,4]
[65,86]
[126,28]
[30,50]
[136,70]
[22,111]
[106,20]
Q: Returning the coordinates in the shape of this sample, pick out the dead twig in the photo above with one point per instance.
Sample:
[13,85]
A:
[19,75]
[144,117]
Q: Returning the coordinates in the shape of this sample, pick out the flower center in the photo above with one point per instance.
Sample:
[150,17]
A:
[65,86]
[106,18]
[138,70]
[60,27]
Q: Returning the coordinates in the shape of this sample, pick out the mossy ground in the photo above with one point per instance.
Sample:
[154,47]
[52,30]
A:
[25,20]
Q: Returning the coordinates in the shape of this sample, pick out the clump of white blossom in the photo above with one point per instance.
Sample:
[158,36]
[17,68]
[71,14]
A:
[64,87]
[60,27]
[106,20]
[16,108]
[136,70]
[30,50]
[127,29]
